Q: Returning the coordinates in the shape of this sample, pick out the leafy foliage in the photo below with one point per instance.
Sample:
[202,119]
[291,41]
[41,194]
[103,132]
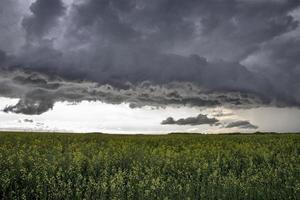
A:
[176,166]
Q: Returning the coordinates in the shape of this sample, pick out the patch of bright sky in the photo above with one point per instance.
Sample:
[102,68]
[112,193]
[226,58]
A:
[100,117]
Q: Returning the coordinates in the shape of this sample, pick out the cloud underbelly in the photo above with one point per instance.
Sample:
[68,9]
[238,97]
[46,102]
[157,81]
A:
[200,53]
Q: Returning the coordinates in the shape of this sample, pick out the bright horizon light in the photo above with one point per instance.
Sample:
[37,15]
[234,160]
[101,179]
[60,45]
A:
[109,118]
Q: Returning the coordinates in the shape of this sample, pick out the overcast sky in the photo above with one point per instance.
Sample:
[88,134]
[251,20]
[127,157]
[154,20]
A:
[174,62]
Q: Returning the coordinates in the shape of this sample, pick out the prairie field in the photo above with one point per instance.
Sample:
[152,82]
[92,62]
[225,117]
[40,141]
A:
[174,166]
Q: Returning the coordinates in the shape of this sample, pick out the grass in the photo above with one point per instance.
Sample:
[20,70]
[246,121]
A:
[175,166]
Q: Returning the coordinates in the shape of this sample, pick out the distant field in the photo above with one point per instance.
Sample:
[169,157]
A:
[176,166]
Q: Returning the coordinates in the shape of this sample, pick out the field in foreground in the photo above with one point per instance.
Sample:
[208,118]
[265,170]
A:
[176,166]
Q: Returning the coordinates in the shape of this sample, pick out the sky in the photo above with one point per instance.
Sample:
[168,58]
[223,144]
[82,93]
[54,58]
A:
[157,66]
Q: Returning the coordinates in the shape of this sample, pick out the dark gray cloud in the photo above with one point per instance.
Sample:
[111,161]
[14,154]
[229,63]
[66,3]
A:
[39,92]
[2,56]
[280,59]
[44,16]
[241,124]
[193,121]
[35,102]
[141,48]
[28,120]
[11,33]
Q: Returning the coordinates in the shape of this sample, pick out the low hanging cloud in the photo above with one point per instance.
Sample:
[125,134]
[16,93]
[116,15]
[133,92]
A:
[236,53]
[193,121]
[241,124]
[38,93]
[28,120]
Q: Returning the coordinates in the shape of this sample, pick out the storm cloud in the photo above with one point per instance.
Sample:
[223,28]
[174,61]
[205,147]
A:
[193,121]
[39,92]
[161,52]
[241,124]
[44,16]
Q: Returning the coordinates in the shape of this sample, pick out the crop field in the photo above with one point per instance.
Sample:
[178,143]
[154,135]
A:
[175,166]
